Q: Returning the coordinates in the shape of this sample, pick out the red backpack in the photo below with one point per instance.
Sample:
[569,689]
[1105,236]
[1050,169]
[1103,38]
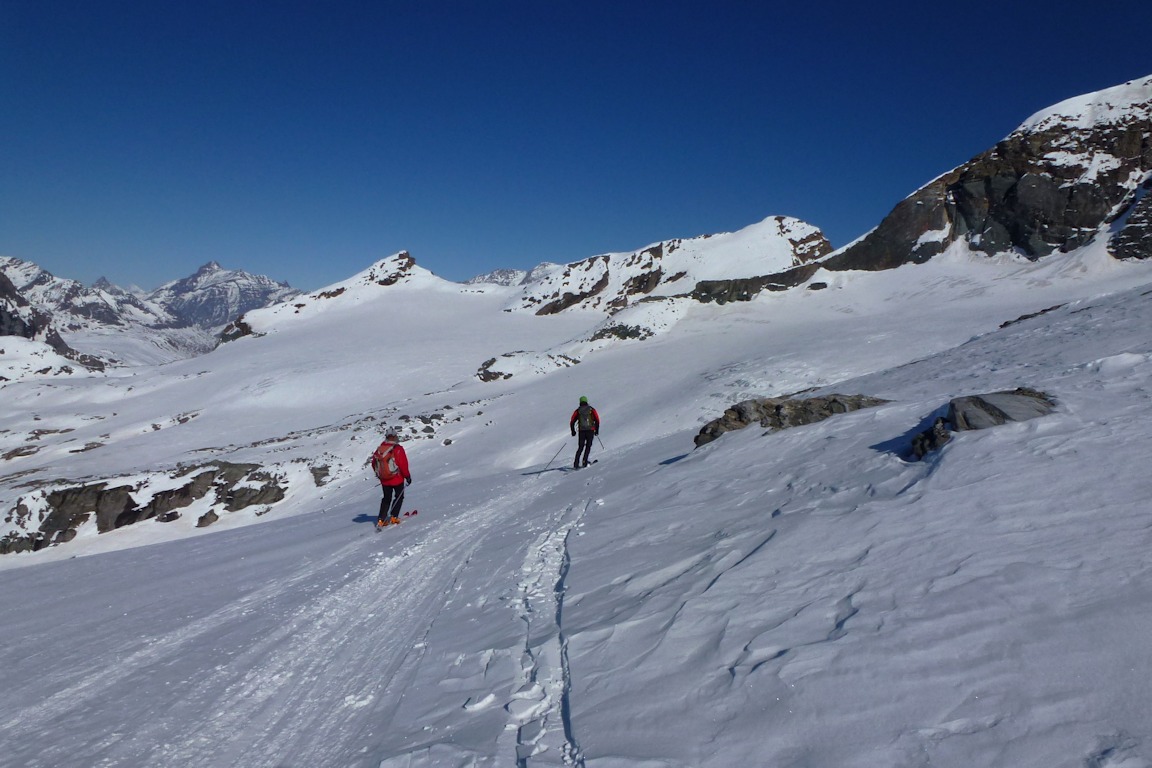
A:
[384,464]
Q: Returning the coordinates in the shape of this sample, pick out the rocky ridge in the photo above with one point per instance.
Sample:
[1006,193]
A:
[611,282]
[499,277]
[18,317]
[1070,174]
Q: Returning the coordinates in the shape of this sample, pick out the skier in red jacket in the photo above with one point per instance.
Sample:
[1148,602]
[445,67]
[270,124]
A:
[588,420]
[390,464]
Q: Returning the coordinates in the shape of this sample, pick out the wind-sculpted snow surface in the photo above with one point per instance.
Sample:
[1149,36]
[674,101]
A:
[800,598]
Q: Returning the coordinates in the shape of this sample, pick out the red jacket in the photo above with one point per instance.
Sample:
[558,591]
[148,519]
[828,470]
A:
[398,457]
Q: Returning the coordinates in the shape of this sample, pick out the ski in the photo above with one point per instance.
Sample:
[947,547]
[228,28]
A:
[395,521]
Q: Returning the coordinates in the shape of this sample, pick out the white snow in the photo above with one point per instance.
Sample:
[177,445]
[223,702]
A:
[767,247]
[804,598]
[1125,102]
[24,358]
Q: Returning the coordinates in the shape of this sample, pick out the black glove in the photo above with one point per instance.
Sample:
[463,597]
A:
[408,481]
[573,433]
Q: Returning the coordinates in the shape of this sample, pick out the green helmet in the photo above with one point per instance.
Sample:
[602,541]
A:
[583,399]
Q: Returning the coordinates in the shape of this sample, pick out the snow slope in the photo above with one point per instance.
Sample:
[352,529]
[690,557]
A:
[671,268]
[1122,103]
[805,598]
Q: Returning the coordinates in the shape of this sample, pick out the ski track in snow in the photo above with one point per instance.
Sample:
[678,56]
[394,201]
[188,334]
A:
[529,683]
[320,679]
[804,598]
[305,681]
[540,708]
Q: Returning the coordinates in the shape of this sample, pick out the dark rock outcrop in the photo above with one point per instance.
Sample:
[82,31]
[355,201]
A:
[776,413]
[1049,186]
[486,373]
[267,491]
[73,506]
[1052,185]
[165,502]
[931,439]
[568,299]
[392,270]
[237,329]
[1134,239]
[19,318]
[996,408]
[744,289]
[980,412]
[236,487]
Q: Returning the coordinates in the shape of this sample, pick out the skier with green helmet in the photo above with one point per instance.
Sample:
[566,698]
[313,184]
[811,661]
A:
[588,421]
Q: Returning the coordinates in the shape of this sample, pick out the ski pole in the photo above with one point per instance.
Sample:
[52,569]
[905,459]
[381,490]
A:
[394,507]
[600,441]
[554,457]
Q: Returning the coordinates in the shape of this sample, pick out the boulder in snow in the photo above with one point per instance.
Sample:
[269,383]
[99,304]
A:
[776,413]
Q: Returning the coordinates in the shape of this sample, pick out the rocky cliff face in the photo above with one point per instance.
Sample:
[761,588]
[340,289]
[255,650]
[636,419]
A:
[19,318]
[1052,185]
[1133,237]
[1070,174]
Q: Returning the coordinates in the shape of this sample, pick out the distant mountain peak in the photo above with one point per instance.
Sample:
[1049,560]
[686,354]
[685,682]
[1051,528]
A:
[499,277]
[398,269]
[181,316]
[214,296]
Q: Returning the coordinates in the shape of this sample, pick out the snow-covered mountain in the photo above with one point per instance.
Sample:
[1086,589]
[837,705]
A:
[75,307]
[1074,174]
[34,345]
[809,596]
[501,277]
[213,296]
[113,324]
[611,282]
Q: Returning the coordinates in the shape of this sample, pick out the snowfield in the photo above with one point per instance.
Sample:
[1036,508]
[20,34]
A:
[805,598]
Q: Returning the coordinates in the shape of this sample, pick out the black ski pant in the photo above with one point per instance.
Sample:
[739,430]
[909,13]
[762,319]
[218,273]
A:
[392,501]
[584,447]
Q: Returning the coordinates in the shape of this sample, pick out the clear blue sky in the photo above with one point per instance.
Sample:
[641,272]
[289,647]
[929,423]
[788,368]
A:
[305,140]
